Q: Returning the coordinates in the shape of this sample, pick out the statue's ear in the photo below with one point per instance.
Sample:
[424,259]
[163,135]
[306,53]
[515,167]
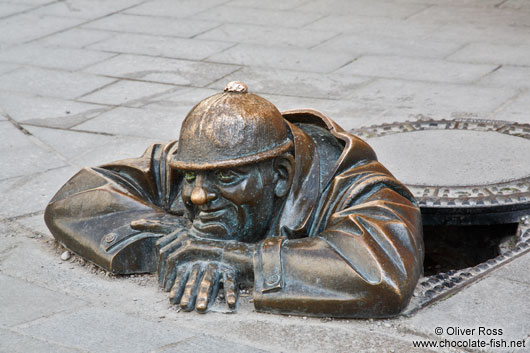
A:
[284,174]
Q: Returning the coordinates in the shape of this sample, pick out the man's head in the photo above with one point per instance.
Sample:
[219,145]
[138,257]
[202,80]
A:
[235,153]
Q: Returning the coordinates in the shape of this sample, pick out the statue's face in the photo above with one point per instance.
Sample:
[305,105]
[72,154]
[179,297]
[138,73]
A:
[230,204]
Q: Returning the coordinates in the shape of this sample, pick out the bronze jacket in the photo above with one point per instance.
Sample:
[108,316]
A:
[347,241]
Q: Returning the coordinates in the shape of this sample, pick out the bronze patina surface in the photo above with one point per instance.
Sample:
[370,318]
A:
[288,203]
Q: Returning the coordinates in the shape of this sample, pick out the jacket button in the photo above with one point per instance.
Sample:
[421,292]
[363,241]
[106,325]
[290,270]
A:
[110,238]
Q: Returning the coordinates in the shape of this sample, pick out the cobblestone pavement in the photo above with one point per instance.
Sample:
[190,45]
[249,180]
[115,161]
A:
[85,82]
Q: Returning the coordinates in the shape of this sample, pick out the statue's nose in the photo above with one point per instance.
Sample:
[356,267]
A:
[200,196]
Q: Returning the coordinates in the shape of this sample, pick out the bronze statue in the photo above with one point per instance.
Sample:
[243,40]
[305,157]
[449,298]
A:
[290,204]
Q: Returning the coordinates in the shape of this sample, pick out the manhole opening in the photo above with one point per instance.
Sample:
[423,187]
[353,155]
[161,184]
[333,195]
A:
[452,247]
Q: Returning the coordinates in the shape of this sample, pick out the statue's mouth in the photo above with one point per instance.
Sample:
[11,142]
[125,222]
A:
[210,216]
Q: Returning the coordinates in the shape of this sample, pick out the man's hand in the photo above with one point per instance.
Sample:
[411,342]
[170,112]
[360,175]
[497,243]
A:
[163,224]
[192,268]
[196,285]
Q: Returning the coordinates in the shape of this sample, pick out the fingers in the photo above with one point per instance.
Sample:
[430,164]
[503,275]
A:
[229,284]
[152,225]
[168,238]
[172,243]
[208,287]
[187,302]
[178,288]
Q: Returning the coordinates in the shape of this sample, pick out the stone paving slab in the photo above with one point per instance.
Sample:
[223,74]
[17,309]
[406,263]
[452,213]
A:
[483,16]
[169,47]
[51,83]
[32,192]
[162,123]
[23,302]
[14,342]
[51,112]
[26,27]
[58,58]
[7,67]
[516,271]
[282,58]
[364,8]
[258,16]
[271,4]
[34,158]
[75,38]
[91,149]
[87,10]
[416,69]
[163,26]
[408,100]
[173,71]
[171,8]
[507,76]
[465,33]
[368,44]
[293,83]
[377,27]
[8,9]
[269,36]
[207,343]
[127,93]
[518,110]
[106,331]
[493,54]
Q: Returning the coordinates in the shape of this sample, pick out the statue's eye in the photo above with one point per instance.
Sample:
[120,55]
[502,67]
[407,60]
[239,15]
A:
[226,176]
[190,176]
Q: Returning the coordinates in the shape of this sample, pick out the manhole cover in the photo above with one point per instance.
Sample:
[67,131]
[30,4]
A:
[463,173]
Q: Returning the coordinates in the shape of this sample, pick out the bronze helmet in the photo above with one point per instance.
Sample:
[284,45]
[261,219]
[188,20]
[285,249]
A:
[230,129]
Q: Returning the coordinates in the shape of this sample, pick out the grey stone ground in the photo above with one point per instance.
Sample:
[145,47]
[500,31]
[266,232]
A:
[85,82]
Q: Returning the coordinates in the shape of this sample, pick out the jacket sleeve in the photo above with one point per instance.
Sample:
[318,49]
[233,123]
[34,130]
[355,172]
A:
[363,261]
[91,214]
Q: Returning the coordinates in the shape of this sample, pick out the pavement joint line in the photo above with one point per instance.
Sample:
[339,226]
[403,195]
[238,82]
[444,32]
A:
[26,176]
[82,23]
[346,64]
[14,122]
[505,104]
[206,31]
[26,215]
[103,111]
[95,63]
[222,78]
[76,130]
[174,344]
[55,343]
[121,78]
[301,4]
[112,35]
[219,52]
[486,74]
[214,7]
[96,89]
[117,32]
[157,56]
[311,47]
[498,5]
[463,84]
[32,8]
[406,18]
[311,22]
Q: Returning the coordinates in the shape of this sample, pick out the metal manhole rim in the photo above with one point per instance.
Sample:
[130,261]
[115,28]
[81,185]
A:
[482,196]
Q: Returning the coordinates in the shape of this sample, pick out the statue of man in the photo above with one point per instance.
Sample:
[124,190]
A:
[290,204]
